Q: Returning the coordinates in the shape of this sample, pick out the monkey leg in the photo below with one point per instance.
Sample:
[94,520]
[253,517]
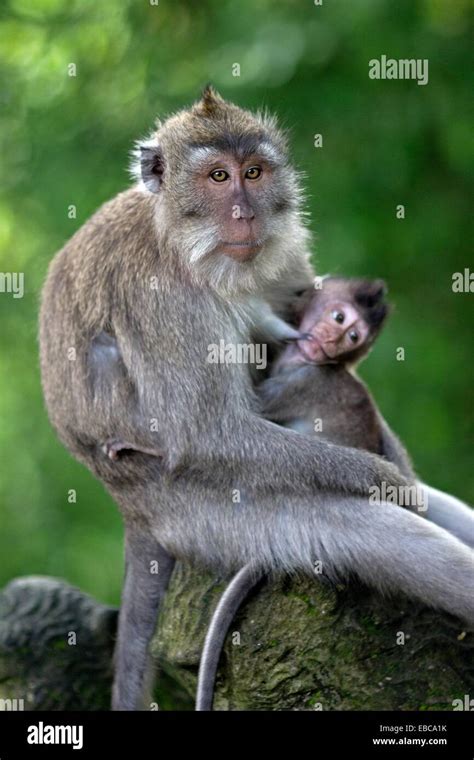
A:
[450,513]
[222,617]
[390,549]
[148,569]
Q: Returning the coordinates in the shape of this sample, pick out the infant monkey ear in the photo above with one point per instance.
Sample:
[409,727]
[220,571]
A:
[370,296]
[371,292]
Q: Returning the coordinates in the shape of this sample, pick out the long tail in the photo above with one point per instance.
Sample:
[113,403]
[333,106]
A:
[224,613]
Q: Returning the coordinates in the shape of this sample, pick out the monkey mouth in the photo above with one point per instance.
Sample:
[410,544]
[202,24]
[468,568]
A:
[311,356]
[241,250]
[243,243]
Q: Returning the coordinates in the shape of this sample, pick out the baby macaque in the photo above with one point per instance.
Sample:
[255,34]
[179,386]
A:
[313,387]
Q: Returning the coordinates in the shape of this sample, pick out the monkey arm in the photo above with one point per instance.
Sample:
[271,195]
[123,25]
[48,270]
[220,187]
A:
[287,395]
[268,457]
[293,393]
[197,427]
[270,326]
[242,446]
[246,447]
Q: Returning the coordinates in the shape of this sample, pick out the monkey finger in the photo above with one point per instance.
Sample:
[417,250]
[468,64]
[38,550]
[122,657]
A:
[306,336]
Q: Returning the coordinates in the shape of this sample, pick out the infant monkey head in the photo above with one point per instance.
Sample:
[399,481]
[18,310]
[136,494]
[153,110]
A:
[341,320]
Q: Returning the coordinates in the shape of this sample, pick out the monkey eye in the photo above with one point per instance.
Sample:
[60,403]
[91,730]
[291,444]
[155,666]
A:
[253,173]
[354,336]
[219,175]
[338,316]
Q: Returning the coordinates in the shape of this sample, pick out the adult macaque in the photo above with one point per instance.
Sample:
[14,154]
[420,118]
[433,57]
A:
[130,306]
[313,388]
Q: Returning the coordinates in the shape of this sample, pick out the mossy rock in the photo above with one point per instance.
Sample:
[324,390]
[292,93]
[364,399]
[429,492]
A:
[56,646]
[300,644]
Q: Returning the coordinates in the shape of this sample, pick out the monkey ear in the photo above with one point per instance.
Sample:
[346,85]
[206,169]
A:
[152,166]
[371,292]
[370,296]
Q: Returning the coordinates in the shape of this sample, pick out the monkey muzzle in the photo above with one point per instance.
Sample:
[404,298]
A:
[313,350]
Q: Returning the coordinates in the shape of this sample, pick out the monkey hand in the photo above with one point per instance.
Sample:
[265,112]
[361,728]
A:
[386,484]
[296,336]
[290,335]
[366,474]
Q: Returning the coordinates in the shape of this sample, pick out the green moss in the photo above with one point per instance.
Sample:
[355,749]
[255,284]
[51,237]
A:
[290,660]
[60,644]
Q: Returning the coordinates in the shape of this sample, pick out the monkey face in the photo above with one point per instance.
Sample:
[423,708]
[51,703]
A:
[342,320]
[339,329]
[226,193]
[238,194]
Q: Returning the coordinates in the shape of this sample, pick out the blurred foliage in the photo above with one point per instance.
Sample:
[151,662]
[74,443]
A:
[64,140]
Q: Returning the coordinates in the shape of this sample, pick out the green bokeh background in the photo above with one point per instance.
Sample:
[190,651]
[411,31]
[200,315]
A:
[65,140]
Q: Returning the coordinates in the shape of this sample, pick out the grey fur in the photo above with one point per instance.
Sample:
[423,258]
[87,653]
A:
[144,587]
[451,514]
[127,272]
[295,395]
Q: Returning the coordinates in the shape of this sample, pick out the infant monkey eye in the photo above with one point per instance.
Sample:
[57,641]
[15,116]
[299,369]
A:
[338,316]
[253,173]
[353,336]
[219,175]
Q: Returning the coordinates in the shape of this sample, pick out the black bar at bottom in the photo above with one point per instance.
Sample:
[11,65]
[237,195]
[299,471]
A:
[318,734]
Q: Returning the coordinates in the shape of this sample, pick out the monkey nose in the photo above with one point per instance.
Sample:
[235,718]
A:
[246,213]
